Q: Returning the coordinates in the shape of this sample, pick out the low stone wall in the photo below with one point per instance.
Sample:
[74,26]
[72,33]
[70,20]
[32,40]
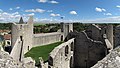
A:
[29,62]
[15,53]
[46,38]
[62,56]
[42,64]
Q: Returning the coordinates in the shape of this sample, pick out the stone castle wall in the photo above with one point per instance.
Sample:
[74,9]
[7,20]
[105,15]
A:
[87,51]
[22,33]
[91,45]
[67,27]
[15,53]
[112,60]
[117,36]
[62,56]
[109,33]
[93,32]
[46,38]
[23,38]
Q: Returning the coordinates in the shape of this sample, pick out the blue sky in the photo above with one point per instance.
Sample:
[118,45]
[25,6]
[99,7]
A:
[53,10]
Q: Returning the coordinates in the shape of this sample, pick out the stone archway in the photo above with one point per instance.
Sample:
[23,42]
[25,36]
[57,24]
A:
[66,50]
[72,46]
[61,37]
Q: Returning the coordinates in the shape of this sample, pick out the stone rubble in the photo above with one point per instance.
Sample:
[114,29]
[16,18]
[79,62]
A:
[112,60]
[8,62]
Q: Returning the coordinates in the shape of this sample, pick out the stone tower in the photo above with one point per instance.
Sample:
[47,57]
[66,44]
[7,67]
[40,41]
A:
[109,33]
[66,28]
[117,36]
[21,21]
[22,37]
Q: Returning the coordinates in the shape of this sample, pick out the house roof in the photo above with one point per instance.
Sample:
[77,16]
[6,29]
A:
[21,21]
[1,31]
[7,36]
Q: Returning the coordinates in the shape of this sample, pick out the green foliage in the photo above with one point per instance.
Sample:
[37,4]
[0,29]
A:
[6,26]
[79,26]
[46,28]
[53,27]
[37,24]
[41,51]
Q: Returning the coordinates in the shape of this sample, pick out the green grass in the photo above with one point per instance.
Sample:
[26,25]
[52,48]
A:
[41,51]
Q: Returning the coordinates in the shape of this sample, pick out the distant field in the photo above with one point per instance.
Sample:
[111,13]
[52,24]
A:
[36,24]
[41,51]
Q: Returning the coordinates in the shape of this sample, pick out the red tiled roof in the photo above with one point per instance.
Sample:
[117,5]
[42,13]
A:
[7,36]
[1,31]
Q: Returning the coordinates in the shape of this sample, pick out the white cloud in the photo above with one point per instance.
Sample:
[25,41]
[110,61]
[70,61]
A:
[32,14]
[54,2]
[103,10]
[73,12]
[115,19]
[46,20]
[9,17]
[108,14]
[1,10]
[35,10]
[54,15]
[1,19]
[50,11]
[118,6]
[40,10]
[17,16]
[17,7]
[5,13]
[30,10]
[15,13]
[100,9]
[13,17]
[42,1]
[10,9]
[47,1]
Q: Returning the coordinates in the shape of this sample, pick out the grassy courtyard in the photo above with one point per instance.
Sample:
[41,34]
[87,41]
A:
[41,51]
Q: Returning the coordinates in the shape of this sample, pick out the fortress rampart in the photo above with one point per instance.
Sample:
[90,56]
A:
[46,38]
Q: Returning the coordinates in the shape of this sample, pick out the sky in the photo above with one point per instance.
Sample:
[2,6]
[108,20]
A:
[86,11]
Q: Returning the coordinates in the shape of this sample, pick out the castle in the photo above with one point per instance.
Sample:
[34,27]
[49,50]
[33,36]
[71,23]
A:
[80,49]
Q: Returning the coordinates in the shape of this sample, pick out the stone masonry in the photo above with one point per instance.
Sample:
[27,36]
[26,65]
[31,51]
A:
[6,61]
[21,41]
[112,60]
[90,45]
[62,56]
[80,49]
